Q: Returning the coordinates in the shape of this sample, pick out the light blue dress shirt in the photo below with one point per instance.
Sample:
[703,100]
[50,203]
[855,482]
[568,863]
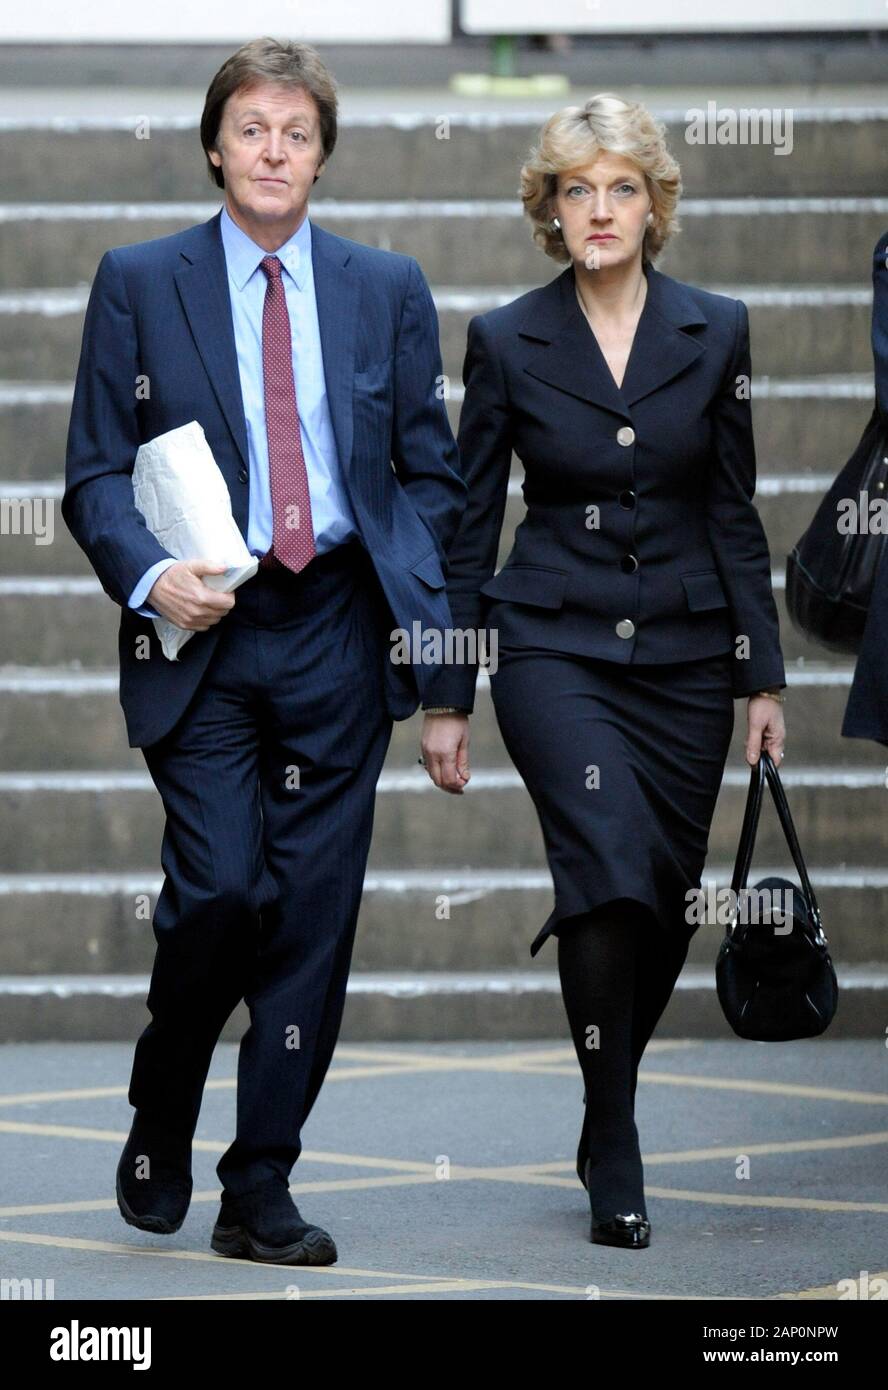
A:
[332,517]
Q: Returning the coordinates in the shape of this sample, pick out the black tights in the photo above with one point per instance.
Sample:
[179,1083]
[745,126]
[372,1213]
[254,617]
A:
[618,969]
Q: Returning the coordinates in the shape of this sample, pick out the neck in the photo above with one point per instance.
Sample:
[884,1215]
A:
[615,292]
[271,236]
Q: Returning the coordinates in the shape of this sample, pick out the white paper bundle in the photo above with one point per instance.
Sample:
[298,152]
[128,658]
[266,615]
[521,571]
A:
[180,491]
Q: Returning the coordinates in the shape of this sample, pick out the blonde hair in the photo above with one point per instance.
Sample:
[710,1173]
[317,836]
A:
[573,138]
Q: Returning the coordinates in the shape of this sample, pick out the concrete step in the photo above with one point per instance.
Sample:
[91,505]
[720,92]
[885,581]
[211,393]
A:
[67,821]
[69,621]
[817,240]
[816,329]
[85,156]
[408,1006]
[36,541]
[41,706]
[817,436]
[459,919]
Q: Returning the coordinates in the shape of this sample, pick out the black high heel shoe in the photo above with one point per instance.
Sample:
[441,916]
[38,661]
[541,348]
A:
[629,1230]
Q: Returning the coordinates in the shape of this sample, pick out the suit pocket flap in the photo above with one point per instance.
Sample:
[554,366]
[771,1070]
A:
[704,590]
[429,570]
[533,584]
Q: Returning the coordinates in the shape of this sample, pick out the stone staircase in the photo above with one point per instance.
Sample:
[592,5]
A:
[456,889]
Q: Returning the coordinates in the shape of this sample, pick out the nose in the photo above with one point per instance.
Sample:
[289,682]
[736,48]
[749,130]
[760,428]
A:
[273,151]
[600,212]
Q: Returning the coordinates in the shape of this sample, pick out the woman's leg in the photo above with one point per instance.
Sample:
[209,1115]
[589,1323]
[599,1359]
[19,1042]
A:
[659,963]
[597,959]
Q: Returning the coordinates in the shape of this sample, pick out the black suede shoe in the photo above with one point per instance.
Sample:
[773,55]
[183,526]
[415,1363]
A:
[265,1225]
[159,1201]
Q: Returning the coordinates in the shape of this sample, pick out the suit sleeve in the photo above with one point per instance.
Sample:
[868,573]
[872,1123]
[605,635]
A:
[103,439]
[424,450]
[738,537]
[485,450]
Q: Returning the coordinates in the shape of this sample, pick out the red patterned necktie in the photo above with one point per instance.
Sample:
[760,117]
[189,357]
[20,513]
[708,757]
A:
[293,535]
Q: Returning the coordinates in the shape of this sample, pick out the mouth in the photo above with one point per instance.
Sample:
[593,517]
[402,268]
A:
[601,236]
[271,180]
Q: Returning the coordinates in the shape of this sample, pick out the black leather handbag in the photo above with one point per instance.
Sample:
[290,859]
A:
[830,573]
[774,976]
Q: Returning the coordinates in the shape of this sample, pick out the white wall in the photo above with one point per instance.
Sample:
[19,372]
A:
[667,16]
[225,21]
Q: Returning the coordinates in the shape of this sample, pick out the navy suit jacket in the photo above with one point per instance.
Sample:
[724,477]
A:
[641,542]
[159,318]
[866,713]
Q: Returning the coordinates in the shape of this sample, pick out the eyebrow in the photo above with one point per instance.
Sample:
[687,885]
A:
[620,178]
[251,111]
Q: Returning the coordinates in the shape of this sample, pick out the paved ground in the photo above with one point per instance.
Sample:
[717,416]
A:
[510,1221]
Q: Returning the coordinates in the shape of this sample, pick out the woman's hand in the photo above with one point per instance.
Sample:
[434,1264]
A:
[765,729]
[445,750]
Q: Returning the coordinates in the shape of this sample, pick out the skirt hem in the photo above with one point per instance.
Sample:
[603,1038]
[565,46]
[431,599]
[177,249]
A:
[560,914]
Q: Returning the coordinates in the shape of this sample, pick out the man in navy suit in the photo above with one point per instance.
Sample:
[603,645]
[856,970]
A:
[312,363]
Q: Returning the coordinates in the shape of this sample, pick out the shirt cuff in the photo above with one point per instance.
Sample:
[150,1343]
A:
[144,586]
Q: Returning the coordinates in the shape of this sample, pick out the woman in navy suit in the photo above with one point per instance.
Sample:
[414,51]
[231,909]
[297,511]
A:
[636,602]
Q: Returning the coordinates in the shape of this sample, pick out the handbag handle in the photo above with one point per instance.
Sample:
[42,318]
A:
[743,859]
[765,770]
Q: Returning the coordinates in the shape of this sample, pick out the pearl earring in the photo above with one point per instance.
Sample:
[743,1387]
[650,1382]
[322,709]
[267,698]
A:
[556,224]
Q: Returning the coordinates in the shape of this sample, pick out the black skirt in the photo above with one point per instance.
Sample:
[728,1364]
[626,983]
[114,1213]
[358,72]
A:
[624,764]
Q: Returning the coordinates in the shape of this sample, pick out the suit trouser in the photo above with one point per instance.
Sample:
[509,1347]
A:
[268,782]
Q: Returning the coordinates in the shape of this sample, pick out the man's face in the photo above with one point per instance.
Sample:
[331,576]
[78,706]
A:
[269,150]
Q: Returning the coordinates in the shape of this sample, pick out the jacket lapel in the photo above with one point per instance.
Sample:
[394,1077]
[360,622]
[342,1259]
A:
[560,348]
[202,282]
[337,293]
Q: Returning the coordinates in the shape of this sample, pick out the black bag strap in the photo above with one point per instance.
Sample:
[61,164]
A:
[743,860]
[762,771]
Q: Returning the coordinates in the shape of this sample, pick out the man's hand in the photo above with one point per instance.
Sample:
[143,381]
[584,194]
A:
[180,596]
[764,727]
[445,749]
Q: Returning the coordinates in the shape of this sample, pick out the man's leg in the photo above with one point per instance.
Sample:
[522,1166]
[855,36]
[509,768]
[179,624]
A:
[324,741]
[207,914]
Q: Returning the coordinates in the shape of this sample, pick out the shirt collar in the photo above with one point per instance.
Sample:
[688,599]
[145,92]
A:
[242,255]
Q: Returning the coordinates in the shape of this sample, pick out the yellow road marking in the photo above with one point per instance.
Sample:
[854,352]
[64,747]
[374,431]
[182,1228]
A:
[832,1290]
[415,1282]
[523,1176]
[646,1077]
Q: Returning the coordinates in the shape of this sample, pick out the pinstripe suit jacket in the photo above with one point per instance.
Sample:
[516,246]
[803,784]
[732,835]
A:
[160,310]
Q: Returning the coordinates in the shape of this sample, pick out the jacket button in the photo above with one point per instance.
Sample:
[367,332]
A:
[629,564]
[243,476]
[625,628]
[627,498]
[626,435]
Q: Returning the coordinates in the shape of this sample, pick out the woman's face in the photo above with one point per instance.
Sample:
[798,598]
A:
[603,210]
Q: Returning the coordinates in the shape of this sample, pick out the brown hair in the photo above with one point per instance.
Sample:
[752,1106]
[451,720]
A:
[574,137]
[267,60]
